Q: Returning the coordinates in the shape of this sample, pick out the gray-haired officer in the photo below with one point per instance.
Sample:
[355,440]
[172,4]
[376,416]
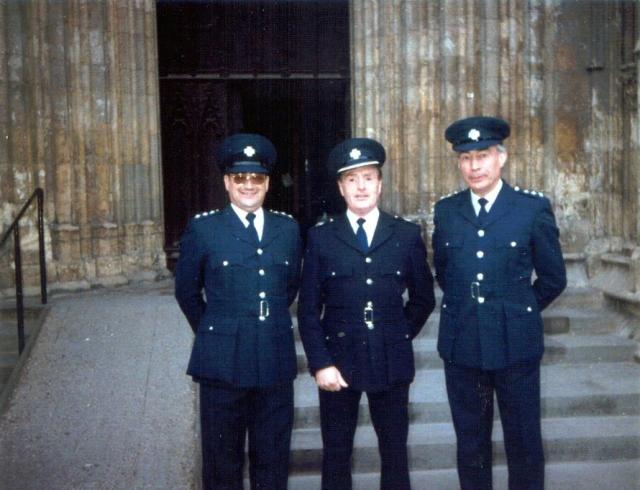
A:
[355,326]
[246,260]
[487,242]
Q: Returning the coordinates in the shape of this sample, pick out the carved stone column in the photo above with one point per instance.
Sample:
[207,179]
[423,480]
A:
[419,65]
[79,115]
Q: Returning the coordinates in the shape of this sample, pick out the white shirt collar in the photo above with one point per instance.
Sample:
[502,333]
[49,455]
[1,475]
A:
[258,222]
[371,221]
[491,197]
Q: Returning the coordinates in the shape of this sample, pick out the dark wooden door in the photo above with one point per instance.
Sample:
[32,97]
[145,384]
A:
[278,68]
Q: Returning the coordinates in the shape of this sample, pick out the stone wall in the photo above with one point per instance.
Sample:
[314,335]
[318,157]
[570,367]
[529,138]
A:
[79,118]
[554,69]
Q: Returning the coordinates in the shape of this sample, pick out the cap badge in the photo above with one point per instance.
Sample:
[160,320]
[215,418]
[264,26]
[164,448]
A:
[249,151]
[355,154]
[474,134]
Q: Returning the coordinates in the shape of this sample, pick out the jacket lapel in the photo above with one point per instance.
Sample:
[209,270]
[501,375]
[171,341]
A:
[384,230]
[344,232]
[502,205]
[465,208]
[270,230]
[236,226]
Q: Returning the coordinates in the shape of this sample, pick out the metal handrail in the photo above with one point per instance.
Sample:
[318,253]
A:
[17,255]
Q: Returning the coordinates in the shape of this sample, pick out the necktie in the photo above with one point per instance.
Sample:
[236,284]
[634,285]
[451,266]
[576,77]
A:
[482,215]
[253,233]
[361,235]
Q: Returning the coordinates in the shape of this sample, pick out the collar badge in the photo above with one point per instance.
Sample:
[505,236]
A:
[474,134]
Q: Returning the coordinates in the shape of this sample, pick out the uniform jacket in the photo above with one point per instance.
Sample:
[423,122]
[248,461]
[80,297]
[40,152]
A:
[371,349]
[490,315]
[242,323]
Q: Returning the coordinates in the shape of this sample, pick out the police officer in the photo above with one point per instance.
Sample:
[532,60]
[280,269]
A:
[487,242]
[246,260]
[356,268]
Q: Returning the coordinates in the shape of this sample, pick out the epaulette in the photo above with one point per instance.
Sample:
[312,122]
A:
[324,221]
[528,192]
[449,195]
[206,213]
[280,213]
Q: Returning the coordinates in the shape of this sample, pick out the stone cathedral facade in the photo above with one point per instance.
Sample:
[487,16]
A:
[80,117]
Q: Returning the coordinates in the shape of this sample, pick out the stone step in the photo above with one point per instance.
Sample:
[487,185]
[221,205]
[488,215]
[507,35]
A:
[614,273]
[5,373]
[591,475]
[8,359]
[565,348]
[32,309]
[9,342]
[567,390]
[432,446]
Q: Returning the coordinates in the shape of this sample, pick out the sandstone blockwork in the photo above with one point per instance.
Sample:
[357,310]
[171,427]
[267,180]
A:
[79,117]
[563,73]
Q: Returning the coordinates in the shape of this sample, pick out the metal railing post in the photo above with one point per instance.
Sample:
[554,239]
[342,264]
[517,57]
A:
[19,294]
[38,194]
[41,249]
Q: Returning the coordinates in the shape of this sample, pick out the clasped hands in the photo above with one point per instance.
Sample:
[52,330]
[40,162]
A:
[330,379]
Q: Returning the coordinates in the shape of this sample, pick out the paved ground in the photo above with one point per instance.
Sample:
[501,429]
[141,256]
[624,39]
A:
[104,402]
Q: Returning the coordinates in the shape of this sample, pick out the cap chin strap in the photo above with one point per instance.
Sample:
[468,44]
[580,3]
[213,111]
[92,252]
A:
[356,165]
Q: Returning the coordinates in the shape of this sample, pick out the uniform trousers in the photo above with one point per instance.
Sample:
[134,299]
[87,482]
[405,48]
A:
[227,413]
[339,418]
[517,390]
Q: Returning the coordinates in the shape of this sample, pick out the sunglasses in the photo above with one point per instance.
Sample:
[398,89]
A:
[243,178]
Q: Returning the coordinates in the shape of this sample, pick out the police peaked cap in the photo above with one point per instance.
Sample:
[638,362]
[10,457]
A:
[476,133]
[245,152]
[354,153]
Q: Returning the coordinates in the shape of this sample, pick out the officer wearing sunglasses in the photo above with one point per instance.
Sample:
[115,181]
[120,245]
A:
[236,277]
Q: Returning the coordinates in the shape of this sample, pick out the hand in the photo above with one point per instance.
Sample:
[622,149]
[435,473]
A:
[330,379]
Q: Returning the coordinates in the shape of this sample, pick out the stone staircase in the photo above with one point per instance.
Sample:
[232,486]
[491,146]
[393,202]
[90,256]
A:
[591,410]
[10,360]
[617,275]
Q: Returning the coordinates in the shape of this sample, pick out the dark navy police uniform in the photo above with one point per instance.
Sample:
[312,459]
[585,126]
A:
[491,330]
[352,316]
[243,355]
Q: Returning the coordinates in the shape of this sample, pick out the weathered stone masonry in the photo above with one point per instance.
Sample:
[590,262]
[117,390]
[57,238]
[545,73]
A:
[79,117]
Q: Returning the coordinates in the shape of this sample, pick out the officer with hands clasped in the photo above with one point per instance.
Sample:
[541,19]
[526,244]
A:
[487,242]
[355,326]
[246,260]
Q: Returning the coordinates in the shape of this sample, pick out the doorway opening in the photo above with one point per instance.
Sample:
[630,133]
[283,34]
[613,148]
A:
[277,68]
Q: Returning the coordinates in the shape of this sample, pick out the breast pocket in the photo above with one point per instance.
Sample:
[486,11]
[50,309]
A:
[228,271]
[337,273]
[517,252]
[393,277]
[452,249]
[280,265]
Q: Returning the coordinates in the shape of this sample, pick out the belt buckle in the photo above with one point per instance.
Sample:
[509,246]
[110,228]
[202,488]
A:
[475,289]
[368,314]
[264,309]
